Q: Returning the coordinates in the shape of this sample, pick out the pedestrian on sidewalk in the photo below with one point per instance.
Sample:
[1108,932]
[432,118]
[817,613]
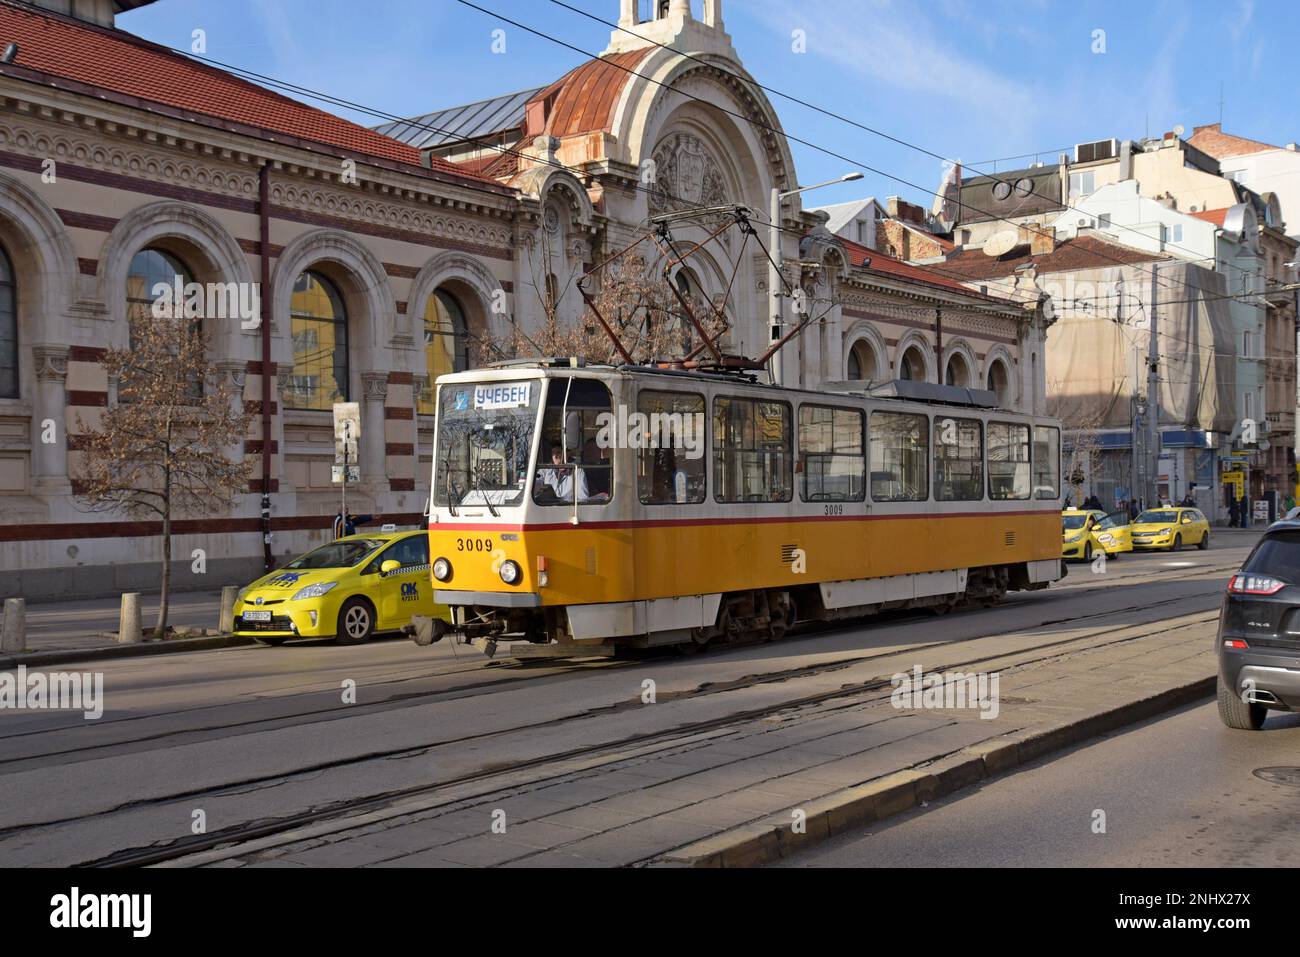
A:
[342,528]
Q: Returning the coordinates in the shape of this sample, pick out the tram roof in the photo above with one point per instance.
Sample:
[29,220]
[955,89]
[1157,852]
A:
[898,390]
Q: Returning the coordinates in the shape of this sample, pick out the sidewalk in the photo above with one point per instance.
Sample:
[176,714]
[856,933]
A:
[61,631]
[728,795]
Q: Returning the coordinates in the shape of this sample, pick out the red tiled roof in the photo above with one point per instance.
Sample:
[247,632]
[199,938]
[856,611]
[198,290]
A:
[1080,252]
[878,262]
[124,64]
[1216,216]
[1212,140]
[585,98]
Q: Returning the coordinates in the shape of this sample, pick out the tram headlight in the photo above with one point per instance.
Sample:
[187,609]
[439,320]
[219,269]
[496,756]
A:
[442,570]
[510,573]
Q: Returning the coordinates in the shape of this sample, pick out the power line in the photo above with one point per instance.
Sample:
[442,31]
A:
[308,92]
[788,137]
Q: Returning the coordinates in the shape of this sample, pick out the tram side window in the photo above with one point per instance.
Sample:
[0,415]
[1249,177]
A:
[1008,461]
[572,459]
[670,467]
[832,465]
[958,460]
[752,445]
[899,467]
[1047,462]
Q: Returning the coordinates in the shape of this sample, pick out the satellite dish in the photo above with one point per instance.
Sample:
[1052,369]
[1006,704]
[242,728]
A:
[999,244]
[1179,129]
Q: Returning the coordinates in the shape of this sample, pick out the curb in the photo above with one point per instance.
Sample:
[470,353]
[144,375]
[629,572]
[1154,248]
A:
[135,650]
[753,845]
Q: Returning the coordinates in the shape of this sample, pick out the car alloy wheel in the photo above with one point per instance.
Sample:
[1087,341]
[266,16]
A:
[356,622]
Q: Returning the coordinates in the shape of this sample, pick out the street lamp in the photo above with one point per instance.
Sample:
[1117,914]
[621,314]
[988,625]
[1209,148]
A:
[774,269]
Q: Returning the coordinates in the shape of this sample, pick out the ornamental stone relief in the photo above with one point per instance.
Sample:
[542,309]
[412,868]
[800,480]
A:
[686,176]
[135,160]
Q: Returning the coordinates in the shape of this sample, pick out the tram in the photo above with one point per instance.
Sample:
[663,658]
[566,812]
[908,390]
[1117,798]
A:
[578,508]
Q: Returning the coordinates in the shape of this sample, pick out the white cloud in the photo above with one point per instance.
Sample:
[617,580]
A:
[895,47]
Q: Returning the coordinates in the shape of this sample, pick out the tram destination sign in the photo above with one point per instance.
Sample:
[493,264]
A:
[502,395]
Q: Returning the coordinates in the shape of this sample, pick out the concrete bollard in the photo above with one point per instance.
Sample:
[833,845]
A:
[128,629]
[13,633]
[227,622]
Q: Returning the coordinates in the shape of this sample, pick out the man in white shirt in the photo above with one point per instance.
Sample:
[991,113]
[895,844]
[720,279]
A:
[560,479]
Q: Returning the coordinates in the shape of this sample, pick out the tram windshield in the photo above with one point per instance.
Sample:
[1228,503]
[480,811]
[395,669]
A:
[485,433]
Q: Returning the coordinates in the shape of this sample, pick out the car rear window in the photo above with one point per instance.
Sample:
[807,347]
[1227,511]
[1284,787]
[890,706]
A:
[1277,556]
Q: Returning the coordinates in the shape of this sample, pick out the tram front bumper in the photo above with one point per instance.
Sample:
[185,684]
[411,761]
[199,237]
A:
[487,599]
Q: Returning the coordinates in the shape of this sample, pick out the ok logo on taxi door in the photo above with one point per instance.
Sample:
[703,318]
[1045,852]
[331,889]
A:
[410,591]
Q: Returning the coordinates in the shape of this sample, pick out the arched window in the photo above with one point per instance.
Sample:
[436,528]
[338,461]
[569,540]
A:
[8,328]
[862,361]
[958,372]
[149,268]
[445,343]
[913,365]
[319,326]
[998,380]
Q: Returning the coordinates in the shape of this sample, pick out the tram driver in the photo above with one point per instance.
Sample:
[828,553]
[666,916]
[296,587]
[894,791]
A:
[559,478]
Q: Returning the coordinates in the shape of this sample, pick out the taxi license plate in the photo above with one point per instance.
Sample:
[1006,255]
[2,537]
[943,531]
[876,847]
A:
[257,616]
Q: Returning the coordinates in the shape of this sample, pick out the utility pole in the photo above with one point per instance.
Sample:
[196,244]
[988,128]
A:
[775,284]
[775,280]
[1153,392]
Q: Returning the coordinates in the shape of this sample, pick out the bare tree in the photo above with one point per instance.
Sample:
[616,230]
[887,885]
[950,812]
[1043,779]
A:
[639,307]
[159,451]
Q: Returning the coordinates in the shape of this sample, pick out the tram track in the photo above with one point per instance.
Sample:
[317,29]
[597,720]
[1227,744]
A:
[515,674]
[608,752]
[519,673]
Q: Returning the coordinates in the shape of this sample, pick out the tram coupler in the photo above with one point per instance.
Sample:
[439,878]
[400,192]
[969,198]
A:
[425,631]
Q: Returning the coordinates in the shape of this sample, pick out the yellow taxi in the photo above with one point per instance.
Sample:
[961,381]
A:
[1170,528]
[1087,531]
[348,589]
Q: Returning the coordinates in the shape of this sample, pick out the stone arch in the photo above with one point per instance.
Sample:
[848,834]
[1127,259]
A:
[196,238]
[865,334]
[46,272]
[640,122]
[476,289]
[1001,356]
[959,351]
[915,344]
[367,297]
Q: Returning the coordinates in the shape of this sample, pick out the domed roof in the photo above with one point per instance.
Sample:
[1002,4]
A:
[585,99]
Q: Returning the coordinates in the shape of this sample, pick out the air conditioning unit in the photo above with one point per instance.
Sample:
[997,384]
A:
[1098,150]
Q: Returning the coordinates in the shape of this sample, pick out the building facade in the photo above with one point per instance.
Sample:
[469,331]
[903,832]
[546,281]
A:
[380,260]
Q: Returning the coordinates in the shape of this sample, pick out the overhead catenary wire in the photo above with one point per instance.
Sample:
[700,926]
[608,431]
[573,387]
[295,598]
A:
[1011,297]
[766,89]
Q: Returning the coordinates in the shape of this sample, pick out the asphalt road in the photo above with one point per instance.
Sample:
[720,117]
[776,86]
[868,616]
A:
[1179,791]
[250,733]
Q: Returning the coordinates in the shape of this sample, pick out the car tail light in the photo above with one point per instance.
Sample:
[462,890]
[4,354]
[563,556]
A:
[1235,643]
[1255,585]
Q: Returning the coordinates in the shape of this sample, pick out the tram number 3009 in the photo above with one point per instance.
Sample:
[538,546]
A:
[473,544]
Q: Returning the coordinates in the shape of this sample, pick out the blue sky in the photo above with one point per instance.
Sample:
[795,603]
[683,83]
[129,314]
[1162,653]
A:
[970,80]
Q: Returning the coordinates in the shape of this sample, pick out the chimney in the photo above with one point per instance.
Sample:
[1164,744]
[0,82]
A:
[1042,240]
[898,208]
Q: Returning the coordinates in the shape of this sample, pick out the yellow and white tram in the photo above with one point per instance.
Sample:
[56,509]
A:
[575,508]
